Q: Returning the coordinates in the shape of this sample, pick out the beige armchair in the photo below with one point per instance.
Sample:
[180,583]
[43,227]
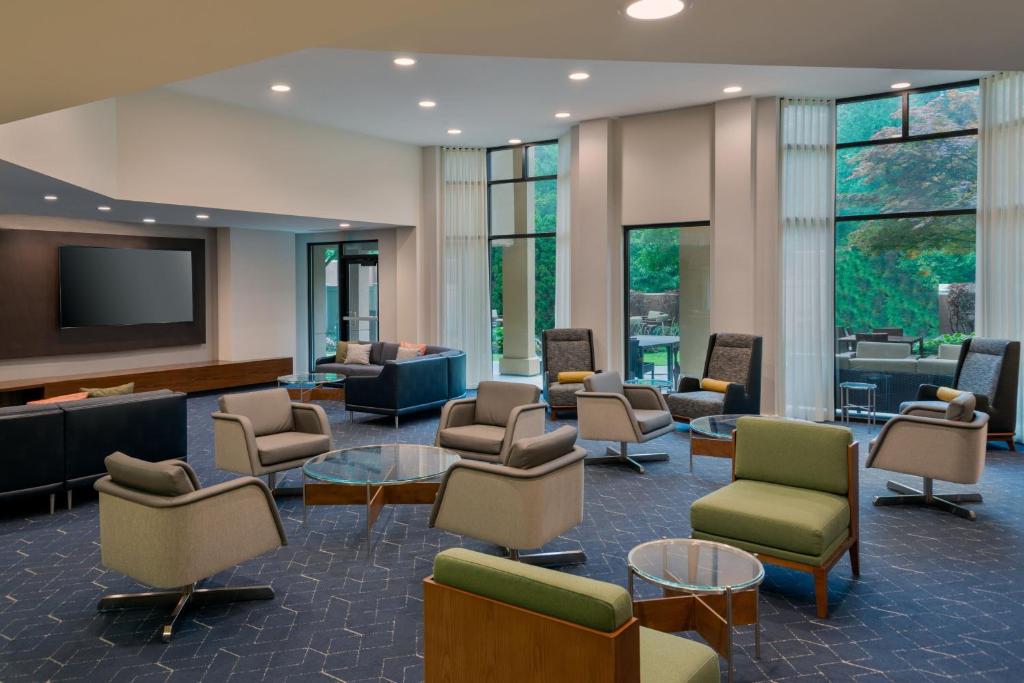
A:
[948,448]
[160,528]
[485,427]
[527,500]
[631,413]
[262,433]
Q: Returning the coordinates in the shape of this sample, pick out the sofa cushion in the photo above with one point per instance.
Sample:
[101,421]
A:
[666,658]
[695,403]
[907,365]
[892,350]
[359,354]
[936,366]
[388,351]
[406,353]
[167,478]
[730,357]
[543,448]
[573,376]
[340,351]
[794,519]
[377,352]
[651,420]
[351,370]
[563,394]
[567,354]
[793,452]
[474,438]
[63,398]
[719,386]
[593,604]
[270,410]
[277,448]
[119,390]
[495,401]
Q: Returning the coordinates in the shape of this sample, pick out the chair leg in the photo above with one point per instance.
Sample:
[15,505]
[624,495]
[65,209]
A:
[281,491]
[855,558]
[926,496]
[69,499]
[821,592]
[181,599]
[621,456]
[53,502]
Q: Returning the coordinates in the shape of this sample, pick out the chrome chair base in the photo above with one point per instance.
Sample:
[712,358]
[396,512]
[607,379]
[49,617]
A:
[946,502]
[552,559]
[182,598]
[621,456]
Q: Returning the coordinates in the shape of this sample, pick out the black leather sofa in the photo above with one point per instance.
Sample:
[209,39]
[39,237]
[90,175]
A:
[390,387]
[52,447]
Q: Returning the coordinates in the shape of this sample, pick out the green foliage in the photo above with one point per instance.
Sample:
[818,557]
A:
[931,346]
[654,260]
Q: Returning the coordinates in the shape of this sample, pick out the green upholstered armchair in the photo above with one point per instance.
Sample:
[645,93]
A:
[793,500]
[491,619]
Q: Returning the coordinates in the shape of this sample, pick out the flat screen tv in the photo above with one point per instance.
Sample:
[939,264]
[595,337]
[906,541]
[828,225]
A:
[102,286]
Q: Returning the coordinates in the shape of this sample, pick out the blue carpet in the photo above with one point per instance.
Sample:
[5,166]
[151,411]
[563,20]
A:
[939,598]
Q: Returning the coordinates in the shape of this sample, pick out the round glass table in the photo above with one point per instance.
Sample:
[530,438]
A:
[306,382]
[712,435]
[719,586]
[374,476]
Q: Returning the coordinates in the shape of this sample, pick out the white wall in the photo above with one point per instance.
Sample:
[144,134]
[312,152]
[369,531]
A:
[49,366]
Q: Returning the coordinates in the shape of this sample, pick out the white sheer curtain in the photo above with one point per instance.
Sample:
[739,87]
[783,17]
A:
[563,244]
[806,259]
[465,295]
[1000,297]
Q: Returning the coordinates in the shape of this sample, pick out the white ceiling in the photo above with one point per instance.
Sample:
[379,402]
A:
[493,99]
[22,191]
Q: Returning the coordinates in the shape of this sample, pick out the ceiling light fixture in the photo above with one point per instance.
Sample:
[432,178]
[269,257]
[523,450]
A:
[103,208]
[900,86]
[344,225]
[562,115]
[404,61]
[281,87]
[515,141]
[579,76]
[732,88]
[428,104]
[655,9]
[454,131]
[149,220]
[50,197]
[202,216]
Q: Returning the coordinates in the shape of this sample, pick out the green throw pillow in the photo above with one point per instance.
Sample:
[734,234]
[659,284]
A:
[110,391]
[342,352]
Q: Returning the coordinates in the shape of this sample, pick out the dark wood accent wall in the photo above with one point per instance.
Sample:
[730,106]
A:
[30,296]
[186,377]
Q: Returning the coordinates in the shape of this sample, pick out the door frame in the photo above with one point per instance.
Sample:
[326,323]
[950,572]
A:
[310,247]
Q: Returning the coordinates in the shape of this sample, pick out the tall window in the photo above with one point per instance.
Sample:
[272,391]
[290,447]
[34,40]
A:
[906,193]
[522,207]
[668,301]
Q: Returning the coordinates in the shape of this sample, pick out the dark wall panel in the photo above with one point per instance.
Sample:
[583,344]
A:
[30,297]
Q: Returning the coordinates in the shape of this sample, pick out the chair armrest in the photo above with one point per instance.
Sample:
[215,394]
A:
[927,392]
[311,419]
[687,384]
[457,413]
[644,397]
[606,417]
[931,447]
[523,422]
[234,444]
[737,401]
[324,359]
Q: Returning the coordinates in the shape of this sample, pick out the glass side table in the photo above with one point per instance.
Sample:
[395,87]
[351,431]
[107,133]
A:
[712,434]
[307,382]
[709,588]
[870,405]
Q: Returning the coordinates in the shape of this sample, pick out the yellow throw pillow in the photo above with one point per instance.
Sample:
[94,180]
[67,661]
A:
[110,391]
[341,353]
[718,385]
[947,394]
[573,376]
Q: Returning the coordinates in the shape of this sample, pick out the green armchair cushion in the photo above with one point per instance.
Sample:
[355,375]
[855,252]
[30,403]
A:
[758,549]
[665,658]
[798,520]
[594,604]
[793,453]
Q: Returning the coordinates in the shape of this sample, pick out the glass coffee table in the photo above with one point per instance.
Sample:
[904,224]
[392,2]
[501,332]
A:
[708,587]
[308,382]
[375,476]
[712,435]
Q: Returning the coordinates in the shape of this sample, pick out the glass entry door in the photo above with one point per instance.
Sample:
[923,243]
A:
[343,295]
[360,314]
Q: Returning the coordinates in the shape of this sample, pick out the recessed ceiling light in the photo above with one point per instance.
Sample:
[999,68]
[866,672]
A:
[344,225]
[562,115]
[732,88]
[103,208]
[454,131]
[515,141]
[655,9]
[404,61]
[579,75]
[50,197]
[281,87]
[900,86]
[202,216]
[428,104]
[149,220]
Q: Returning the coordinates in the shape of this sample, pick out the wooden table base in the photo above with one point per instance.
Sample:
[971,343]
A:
[716,448]
[374,497]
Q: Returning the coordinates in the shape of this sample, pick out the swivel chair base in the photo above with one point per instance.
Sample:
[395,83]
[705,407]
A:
[947,502]
[552,559]
[182,598]
[621,456]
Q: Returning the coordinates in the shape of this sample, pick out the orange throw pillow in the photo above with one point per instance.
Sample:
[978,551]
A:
[421,349]
[77,396]
[717,385]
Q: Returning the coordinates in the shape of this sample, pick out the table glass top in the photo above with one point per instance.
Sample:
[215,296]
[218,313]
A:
[695,566]
[722,426]
[858,385]
[382,464]
[311,378]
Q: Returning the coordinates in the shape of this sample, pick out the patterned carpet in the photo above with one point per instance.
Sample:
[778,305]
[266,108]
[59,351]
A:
[940,598]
